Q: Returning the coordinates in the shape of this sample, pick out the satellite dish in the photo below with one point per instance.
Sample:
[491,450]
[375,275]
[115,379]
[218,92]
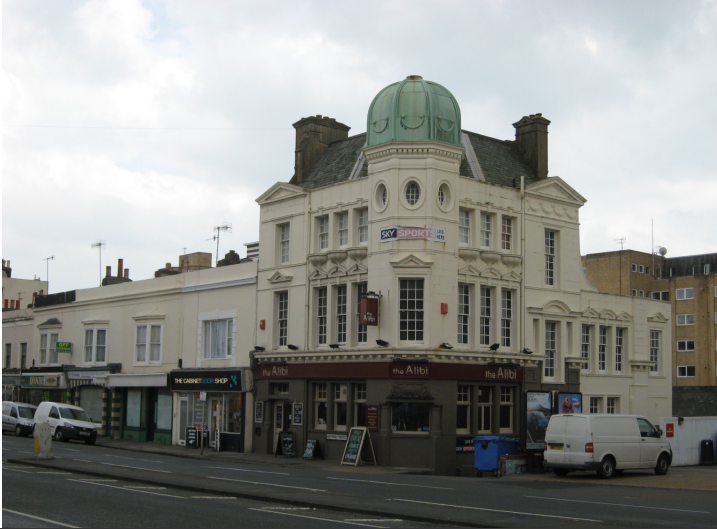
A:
[663,251]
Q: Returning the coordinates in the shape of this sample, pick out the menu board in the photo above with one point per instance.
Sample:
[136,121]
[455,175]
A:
[358,447]
[191,438]
[298,415]
[287,444]
[372,417]
[312,450]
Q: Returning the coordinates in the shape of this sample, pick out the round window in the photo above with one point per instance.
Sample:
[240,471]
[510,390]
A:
[413,193]
[381,197]
[444,197]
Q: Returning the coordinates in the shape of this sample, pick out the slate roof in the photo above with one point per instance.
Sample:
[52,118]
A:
[682,266]
[499,160]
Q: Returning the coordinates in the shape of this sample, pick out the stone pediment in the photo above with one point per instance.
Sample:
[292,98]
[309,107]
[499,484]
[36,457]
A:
[657,317]
[608,314]
[318,274]
[556,187]
[624,316]
[357,268]
[591,313]
[469,270]
[490,272]
[555,306]
[411,261]
[278,277]
[337,271]
[280,191]
[511,276]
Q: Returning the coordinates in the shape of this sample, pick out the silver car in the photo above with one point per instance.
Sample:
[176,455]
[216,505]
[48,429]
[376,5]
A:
[18,417]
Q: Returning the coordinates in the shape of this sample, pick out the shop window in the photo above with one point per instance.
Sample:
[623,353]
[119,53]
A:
[148,346]
[164,410]
[134,417]
[48,348]
[95,346]
[485,407]
[234,403]
[361,330]
[360,405]
[340,406]
[411,310]
[463,410]
[410,417]
[321,410]
[218,338]
[506,410]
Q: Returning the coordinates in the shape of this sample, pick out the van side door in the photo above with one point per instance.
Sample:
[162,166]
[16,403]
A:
[650,443]
[53,418]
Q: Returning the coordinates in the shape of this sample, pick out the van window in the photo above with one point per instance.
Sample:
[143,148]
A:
[13,412]
[25,412]
[576,426]
[646,429]
[73,414]
[53,413]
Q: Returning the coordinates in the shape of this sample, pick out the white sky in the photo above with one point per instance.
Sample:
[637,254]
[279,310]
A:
[146,124]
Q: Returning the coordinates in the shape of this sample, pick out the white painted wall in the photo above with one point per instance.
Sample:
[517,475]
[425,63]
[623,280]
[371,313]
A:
[688,435]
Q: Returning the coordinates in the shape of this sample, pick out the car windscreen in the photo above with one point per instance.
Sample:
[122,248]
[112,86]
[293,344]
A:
[72,414]
[26,413]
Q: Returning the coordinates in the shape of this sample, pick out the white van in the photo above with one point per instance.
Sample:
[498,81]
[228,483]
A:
[66,422]
[606,443]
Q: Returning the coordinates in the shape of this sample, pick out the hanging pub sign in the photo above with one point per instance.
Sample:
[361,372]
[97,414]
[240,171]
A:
[429,233]
[368,311]
[205,380]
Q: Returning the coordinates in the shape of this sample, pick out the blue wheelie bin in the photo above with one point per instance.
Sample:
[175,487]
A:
[489,448]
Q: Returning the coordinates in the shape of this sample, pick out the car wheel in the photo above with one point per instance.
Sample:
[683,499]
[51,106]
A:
[607,468]
[58,434]
[663,465]
[18,431]
[562,472]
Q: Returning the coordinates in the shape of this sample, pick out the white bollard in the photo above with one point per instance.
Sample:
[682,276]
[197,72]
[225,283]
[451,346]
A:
[43,441]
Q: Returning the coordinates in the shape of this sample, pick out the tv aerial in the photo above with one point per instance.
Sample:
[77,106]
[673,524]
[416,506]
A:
[99,244]
[225,226]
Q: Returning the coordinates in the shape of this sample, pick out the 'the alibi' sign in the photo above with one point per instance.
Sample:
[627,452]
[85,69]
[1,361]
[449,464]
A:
[429,233]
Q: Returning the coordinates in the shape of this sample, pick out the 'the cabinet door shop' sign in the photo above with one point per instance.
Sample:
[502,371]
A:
[429,233]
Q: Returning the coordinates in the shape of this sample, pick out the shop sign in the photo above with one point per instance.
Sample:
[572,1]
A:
[501,373]
[406,370]
[206,380]
[336,437]
[372,417]
[368,311]
[429,233]
[40,381]
[63,347]
[85,375]
[10,381]
[670,429]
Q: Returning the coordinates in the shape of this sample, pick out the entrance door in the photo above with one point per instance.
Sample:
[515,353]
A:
[183,412]
[215,419]
[279,421]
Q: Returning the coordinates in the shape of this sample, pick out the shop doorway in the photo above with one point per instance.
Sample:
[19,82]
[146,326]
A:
[183,421]
[215,419]
[281,420]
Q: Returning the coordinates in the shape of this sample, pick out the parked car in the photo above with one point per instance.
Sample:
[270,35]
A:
[66,422]
[606,443]
[18,417]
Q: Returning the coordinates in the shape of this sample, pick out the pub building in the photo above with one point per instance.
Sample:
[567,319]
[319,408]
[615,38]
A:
[214,401]
[401,284]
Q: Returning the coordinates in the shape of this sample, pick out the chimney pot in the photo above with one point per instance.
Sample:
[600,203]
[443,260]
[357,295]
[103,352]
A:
[126,273]
[168,266]
[108,271]
[119,267]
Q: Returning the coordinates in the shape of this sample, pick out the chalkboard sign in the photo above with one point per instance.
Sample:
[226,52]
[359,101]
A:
[287,444]
[298,414]
[192,439]
[312,450]
[358,448]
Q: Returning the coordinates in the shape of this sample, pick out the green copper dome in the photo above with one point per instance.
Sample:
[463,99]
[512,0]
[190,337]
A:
[414,110]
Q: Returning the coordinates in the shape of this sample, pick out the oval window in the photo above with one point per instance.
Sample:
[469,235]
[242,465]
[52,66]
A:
[381,196]
[413,193]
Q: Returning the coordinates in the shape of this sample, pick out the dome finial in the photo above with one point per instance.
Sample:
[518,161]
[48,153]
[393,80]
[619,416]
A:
[414,77]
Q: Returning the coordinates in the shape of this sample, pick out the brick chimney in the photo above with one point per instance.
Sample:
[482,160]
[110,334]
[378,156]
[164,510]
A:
[531,138]
[313,136]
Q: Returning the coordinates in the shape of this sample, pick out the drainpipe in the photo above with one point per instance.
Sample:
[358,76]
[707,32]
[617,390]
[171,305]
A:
[307,309]
[523,312]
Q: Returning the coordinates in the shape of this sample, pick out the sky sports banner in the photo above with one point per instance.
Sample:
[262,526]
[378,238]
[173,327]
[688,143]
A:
[429,233]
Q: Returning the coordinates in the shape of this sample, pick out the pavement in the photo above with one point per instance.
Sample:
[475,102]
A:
[701,478]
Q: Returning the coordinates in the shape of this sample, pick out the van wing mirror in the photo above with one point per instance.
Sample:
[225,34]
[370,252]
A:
[659,432]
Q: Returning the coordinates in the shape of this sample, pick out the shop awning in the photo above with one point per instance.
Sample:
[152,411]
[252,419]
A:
[144,380]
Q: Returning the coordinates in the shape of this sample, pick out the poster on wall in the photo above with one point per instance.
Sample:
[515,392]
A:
[298,415]
[259,411]
[569,403]
[539,407]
